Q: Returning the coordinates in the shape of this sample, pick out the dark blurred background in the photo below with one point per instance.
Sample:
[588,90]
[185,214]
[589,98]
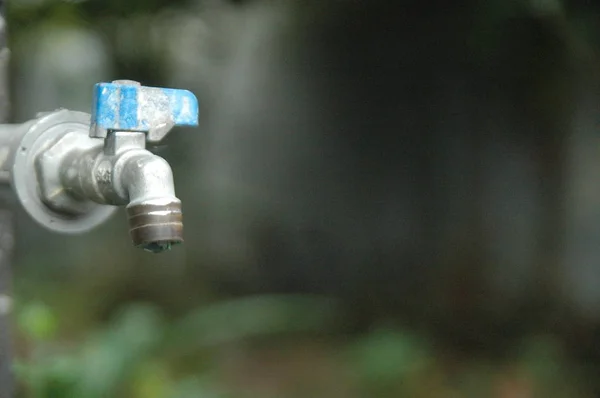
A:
[383,199]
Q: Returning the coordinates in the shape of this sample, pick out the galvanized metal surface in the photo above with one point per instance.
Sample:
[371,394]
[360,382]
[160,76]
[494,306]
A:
[9,140]
[70,182]
[124,173]
[70,169]
[37,155]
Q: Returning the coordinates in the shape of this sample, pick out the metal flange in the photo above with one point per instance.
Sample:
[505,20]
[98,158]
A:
[41,136]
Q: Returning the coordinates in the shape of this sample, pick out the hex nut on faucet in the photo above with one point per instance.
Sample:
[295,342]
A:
[71,170]
[29,142]
[48,171]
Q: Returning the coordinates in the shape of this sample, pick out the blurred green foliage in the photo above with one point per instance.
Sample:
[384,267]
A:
[388,361]
[38,321]
[139,354]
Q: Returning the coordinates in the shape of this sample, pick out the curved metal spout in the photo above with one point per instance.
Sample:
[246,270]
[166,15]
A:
[123,173]
[155,221]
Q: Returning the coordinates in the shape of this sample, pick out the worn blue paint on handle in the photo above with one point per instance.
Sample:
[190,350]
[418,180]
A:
[130,107]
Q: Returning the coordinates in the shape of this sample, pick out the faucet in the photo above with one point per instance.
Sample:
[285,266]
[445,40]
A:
[71,170]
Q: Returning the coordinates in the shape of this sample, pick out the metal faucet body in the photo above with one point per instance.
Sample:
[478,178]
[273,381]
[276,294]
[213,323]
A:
[122,173]
[71,170]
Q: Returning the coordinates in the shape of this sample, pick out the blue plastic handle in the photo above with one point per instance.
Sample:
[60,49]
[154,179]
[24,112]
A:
[132,107]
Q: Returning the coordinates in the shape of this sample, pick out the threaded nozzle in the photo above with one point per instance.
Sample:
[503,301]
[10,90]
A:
[155,228]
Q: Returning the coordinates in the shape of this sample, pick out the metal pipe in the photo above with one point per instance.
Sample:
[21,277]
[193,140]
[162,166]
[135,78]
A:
[10,136]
